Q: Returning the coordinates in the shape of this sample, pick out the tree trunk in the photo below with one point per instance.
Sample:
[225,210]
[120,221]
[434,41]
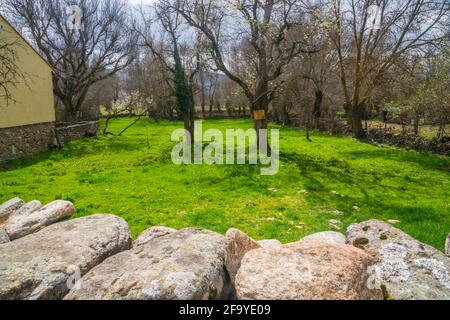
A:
[203,110]
[261,122]
[285,115]
[416,125]
[355,117]
[203,94]
[260,125]
[211,107]
[192,122]
[188,125]
[317,112]
[72,116]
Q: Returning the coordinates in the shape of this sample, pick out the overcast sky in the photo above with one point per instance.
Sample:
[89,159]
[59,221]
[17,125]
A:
[138,2]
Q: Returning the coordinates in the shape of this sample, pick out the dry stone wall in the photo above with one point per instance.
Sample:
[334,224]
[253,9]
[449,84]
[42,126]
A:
[23,141]
[43,255]
[19,142]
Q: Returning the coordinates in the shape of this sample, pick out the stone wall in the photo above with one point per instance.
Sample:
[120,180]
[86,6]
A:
[18,142]
[23,141]
[76,131]
[46,255]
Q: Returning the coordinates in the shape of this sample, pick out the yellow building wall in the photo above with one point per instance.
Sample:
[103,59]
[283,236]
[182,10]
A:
[34,98]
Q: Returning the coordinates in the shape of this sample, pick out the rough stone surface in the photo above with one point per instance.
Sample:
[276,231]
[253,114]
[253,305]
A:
[4,238]
[447,245]
[314,271]
[409,269]
[45,264]
[9,207]
[152,233]
[22,141]
[187,265]
[325,237]
[24,224]
[270,243]
[27,209]
[28,140]
[76,131]
[237,245]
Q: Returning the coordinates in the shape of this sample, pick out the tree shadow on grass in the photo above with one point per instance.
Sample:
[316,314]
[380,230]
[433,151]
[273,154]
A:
[76,150]
[424,160]
[335,169]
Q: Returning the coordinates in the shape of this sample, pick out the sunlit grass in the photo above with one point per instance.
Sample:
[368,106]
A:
[133,176]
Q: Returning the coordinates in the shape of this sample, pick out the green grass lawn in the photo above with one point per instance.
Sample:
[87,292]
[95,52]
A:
[133,177]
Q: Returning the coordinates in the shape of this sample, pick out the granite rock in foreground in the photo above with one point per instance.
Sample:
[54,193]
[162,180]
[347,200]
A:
[45,264]
[409,269]
[313,271]
[186,265]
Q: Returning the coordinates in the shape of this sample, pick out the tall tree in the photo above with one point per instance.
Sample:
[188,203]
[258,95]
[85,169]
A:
[371,36]
[266,26]
[85,41]
[181,61]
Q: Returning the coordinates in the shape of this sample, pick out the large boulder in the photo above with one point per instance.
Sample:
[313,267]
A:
[314,271]
[237,245]
[325,237]
[46,264]
[4,238]
[408,268]
[152,233]
[29,221]
[186,265]
[9,207]
[447,245]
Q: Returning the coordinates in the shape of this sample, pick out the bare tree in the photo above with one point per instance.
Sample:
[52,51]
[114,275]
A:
[181,61]
[371,36]
[85,41]
[317,68]
[265,26]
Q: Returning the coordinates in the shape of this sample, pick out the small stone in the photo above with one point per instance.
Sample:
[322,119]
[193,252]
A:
[273,190]
[270,219]
[334,192]
[335,224]
[356,208]
[272,243]
[152,233]
[303,191]
[393,222]
[237,245]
